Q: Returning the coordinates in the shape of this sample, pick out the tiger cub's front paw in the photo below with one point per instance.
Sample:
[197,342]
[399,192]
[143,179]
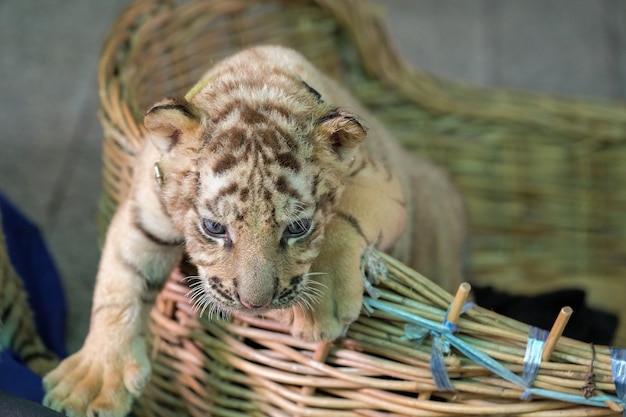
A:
[94,383]
[330,317]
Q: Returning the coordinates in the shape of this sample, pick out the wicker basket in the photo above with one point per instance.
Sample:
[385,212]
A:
[538,175]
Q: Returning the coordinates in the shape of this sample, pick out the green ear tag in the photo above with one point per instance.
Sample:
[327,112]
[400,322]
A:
[199,86]
[158,173]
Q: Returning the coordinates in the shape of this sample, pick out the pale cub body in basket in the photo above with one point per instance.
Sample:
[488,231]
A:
[263,180]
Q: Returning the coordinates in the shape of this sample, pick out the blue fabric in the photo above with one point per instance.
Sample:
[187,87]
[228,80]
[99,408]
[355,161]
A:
[32,261]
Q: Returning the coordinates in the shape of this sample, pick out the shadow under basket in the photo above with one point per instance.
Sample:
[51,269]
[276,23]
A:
[538,175]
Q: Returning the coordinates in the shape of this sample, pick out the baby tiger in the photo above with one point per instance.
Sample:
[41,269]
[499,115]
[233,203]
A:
[261,175]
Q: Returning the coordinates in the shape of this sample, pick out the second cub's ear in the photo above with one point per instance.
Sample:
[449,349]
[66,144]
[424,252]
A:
[343,131]
[169,121]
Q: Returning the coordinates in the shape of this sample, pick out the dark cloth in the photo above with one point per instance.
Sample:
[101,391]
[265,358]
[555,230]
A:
[12,406]
[32,261]
[586,324]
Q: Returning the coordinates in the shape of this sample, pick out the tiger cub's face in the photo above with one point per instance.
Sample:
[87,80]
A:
[251,175]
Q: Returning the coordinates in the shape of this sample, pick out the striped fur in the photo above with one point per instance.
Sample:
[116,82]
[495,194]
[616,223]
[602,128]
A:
[17,327]
[263,181]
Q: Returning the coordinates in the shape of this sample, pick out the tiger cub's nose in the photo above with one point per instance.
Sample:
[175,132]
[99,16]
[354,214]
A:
[255,304]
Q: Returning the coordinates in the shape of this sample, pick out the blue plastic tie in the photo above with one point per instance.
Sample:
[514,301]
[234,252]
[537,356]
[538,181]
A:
[532,359]
[415,333]
[453,326]
[497,368]
[618,368]
[438,365]
[441,346]
[618,360]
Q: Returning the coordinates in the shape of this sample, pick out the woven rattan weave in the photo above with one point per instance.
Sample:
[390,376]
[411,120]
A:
[540,177]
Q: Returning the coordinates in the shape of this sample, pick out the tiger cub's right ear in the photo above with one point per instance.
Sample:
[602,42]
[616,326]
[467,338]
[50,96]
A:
[169,121]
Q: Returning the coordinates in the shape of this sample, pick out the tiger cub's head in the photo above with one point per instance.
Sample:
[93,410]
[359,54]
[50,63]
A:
[253,166]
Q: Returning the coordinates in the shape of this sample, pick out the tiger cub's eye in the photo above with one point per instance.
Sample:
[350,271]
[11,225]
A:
[298,228]
[213,228]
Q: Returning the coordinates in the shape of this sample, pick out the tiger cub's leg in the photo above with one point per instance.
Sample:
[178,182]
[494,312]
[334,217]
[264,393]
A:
[112,367]
[372,212]
[17,327]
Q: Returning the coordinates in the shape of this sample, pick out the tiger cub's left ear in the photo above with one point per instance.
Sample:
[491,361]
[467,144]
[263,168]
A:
[344,132]
[169,121]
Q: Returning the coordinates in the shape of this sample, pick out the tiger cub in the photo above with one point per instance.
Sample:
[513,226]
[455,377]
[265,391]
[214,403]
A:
[261,175]
[17,326]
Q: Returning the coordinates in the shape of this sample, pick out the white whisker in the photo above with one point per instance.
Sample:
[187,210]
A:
[310,274]
[201,301]
[311,293]
[195,294]
[316,285]
[314,296]
[304,304]
[193,277]
[206,304]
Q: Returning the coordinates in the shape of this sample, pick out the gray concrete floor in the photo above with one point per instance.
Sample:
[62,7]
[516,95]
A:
[50,136]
